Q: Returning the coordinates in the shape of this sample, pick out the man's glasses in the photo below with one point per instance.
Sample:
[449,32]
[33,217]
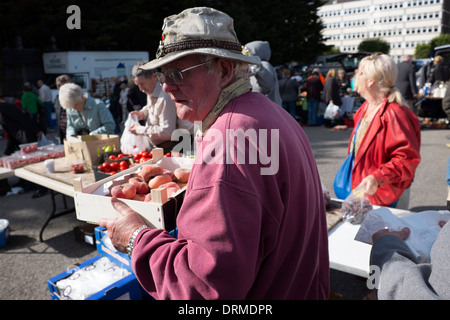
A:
[175,75]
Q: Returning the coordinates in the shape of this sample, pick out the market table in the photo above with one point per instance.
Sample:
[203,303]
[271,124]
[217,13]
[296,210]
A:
[6,173]
[60,183]
[347,254]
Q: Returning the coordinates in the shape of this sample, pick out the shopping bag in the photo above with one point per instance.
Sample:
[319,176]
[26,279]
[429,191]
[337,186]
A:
[43,141]
[343,179]
[331,111]
[131,143]
[356,206]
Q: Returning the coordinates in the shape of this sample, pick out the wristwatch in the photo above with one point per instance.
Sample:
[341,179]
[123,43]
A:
[133,237]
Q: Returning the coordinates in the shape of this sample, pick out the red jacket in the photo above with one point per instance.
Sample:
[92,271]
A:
[390,151]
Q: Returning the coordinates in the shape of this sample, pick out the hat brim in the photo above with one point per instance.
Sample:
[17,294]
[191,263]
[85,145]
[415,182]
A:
[220,53]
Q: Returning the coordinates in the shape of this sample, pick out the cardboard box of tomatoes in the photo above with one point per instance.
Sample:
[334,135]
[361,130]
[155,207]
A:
[154,188]
[90,148]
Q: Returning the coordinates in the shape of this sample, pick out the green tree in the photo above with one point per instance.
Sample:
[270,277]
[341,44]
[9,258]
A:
[374,45]
[292,27]
[422,51]
[440,40]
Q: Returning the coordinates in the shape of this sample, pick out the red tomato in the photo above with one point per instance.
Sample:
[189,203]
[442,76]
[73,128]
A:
[123,163]
[144,154]
[112,157]
[114,166]
[112,172]
[120,156]
[167,154]
[100,167]
[137,156]
[106,167]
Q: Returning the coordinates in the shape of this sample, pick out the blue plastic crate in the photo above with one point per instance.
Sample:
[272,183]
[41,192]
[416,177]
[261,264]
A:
[4,232]
[127,288]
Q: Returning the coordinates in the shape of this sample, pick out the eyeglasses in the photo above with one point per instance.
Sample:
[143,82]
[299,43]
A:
[175,75]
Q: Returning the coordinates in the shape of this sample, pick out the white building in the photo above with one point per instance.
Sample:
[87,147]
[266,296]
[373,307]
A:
[403,24]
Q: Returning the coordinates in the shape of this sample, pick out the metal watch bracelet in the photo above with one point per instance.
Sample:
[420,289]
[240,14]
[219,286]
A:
[133,237]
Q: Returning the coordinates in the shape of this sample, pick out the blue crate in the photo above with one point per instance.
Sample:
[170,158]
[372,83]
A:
[127,288]
[107,250]
[4,232]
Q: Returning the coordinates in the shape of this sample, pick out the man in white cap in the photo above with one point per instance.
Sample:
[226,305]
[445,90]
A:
[251,227]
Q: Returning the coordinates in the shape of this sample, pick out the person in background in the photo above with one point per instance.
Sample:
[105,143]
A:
[240,223]
[354,81]
[45,95]
[440,73]
[406,82]
[85,115]
[332,95]
[160,114]
[264,79]
[289,92]
[123,100]
[331,89]
[314,89]
[61,114]
[31,104]
[20,129]
[403,276]
[344,83]
[387,145]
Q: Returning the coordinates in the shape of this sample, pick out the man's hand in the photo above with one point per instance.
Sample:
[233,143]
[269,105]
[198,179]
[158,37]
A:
[121,229]
[402,234]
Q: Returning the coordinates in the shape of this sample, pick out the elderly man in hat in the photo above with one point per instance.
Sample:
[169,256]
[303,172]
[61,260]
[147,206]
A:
[252,224]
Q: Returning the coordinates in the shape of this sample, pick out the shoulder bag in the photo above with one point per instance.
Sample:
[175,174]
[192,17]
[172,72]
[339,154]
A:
[343,179]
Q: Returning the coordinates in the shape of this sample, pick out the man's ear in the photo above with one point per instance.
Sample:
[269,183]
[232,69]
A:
[226,69]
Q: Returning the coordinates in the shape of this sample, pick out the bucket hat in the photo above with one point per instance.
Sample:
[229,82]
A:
[199,30]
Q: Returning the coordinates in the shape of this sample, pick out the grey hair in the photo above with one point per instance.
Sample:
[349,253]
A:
[240,67]
[136,72]
[70,95]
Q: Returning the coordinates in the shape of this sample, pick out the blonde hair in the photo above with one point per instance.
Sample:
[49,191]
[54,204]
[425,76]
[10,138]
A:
[331,74]
[70,95]
[382,69]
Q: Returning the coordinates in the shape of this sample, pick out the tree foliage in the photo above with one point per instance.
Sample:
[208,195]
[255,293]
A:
[374,45]
[292,26]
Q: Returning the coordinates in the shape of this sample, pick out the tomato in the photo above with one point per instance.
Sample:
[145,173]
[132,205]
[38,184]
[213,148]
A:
[112,172]
[144,154]
[120,156]
[114,166]
[100,167]
[123,163]
[142,160]
[106,167]
[168,154]
[137,156]
[112,157]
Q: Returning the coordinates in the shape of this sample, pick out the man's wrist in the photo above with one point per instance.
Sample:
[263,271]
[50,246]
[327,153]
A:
[133,237]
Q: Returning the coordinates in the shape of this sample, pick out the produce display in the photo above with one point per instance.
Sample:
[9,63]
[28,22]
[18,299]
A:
[139,185]
[117,162]
[28,148]
[25,156]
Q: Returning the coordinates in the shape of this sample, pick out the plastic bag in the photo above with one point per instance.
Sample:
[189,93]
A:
[131,143]
[331,112]
[43,141]
[356,206]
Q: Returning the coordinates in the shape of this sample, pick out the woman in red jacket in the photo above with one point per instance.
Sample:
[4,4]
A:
[387,144]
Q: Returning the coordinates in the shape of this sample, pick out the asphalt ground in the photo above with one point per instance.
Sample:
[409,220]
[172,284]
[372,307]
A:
[26,263]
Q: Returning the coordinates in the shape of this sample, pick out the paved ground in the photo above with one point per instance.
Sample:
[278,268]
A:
[26,264]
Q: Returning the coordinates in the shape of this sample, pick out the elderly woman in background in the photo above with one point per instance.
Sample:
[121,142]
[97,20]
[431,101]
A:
[85,115]
[387,141]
